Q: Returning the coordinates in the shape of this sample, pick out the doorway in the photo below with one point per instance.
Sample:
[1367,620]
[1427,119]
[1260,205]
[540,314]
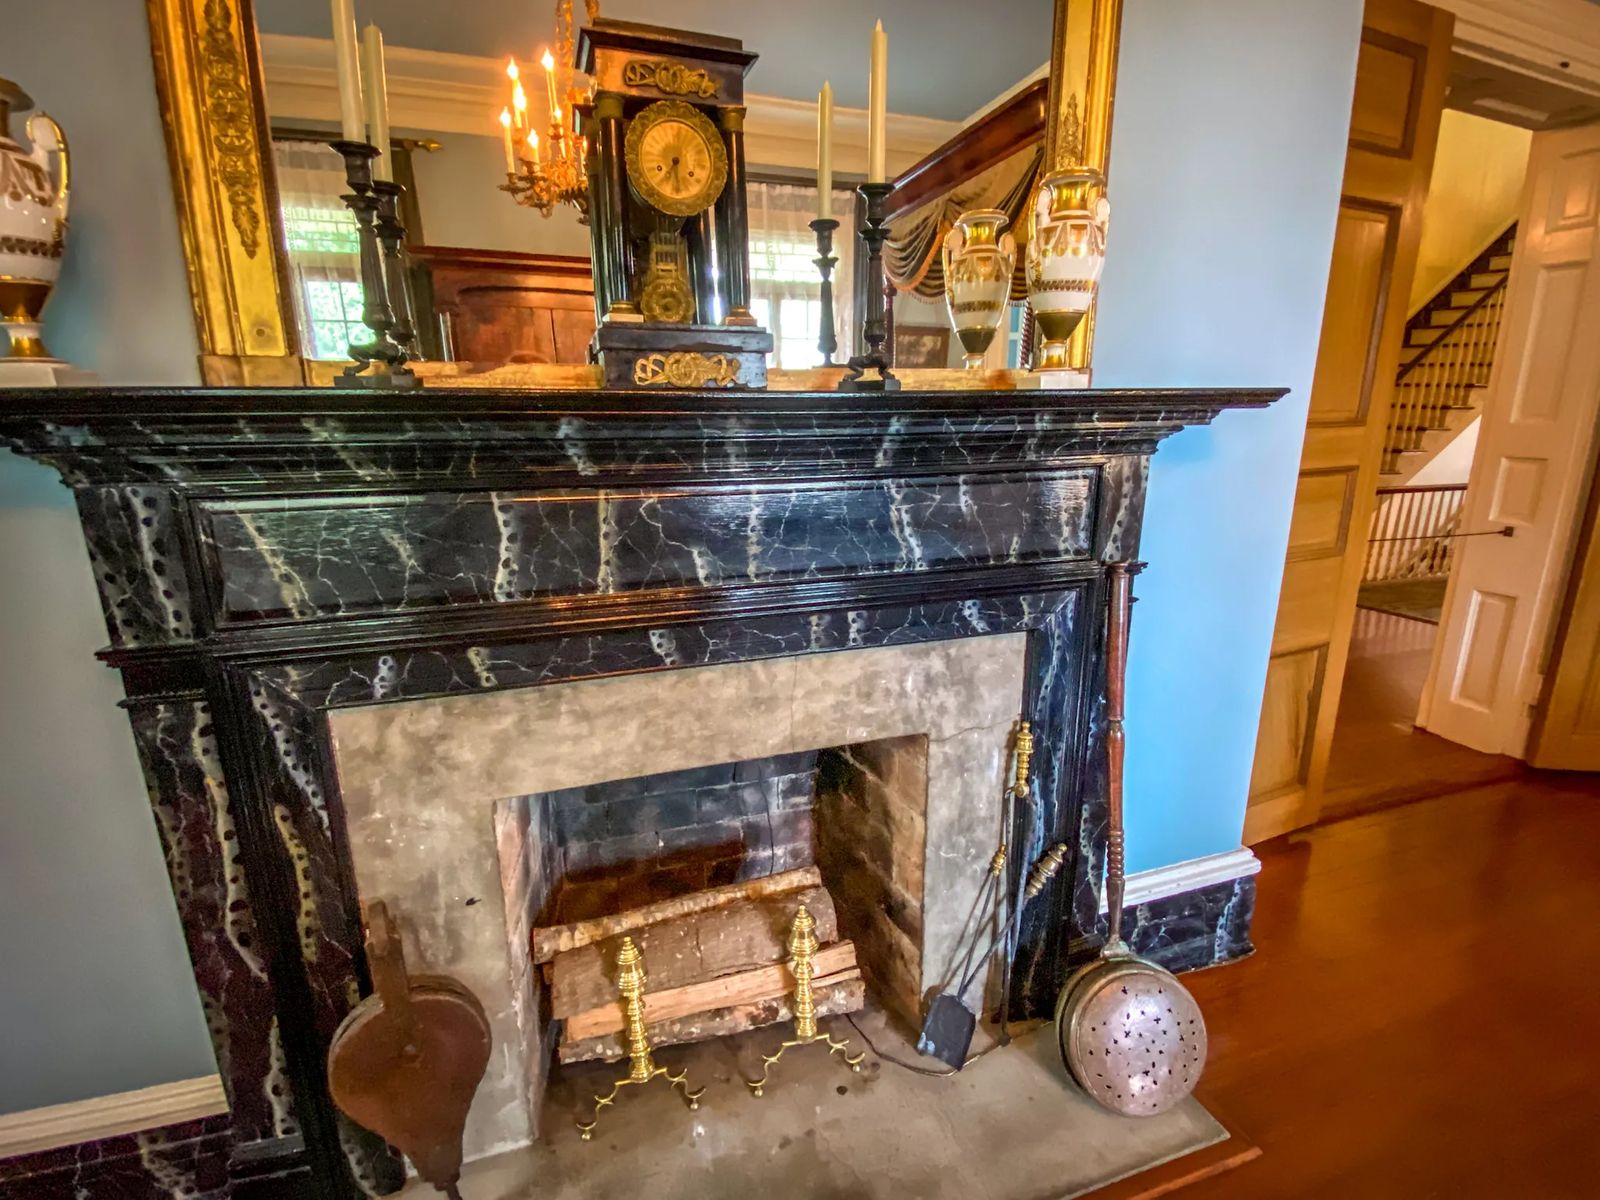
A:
[1421,449]
[1453,326]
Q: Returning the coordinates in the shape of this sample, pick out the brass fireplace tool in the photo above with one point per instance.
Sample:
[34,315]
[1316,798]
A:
[802,949]
[641,1066]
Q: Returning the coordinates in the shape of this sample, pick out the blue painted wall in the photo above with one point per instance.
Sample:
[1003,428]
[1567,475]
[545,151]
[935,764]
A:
[95,990]
[1226,155]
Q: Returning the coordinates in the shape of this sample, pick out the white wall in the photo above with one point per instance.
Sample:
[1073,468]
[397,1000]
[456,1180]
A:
[1453,464]
[1226,156]
[1475,191]
[457,188]
[95,990]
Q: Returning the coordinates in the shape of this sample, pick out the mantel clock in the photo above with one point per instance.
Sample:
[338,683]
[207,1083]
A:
[667,213]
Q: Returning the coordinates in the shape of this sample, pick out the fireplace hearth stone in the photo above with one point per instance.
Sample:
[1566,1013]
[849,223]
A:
[1009,1127]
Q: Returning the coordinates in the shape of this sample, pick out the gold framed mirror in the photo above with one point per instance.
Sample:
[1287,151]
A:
[209,74]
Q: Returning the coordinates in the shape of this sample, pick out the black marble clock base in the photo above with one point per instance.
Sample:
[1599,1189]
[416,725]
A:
[638,354]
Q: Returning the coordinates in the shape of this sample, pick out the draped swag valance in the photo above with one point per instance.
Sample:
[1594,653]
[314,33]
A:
[911,255]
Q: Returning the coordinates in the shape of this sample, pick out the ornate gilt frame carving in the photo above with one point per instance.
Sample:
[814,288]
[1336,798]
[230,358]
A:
[208,77]
[1083,85]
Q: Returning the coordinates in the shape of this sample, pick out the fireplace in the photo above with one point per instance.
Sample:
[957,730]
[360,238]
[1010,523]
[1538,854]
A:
[479,817]
[371,645]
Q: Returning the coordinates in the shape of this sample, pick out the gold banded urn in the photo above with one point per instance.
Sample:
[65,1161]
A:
[33,221]
[978,261]
[1066,253]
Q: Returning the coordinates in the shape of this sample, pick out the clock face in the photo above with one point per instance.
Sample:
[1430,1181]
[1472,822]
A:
[675,158]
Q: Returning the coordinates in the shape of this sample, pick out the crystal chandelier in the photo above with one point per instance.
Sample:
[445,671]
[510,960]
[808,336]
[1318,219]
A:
[554,171]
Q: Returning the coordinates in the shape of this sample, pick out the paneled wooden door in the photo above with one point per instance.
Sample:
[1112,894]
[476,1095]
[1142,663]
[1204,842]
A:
[1394,126]
[1535,446]
[1566,730]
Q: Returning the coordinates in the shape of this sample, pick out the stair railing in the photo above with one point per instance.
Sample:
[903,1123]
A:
[1455,364]
[1412,532]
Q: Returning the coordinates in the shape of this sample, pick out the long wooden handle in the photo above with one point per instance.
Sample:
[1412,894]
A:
[1121,605]
[387,962]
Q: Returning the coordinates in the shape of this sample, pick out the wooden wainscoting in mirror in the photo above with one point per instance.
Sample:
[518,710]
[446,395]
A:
[251,98]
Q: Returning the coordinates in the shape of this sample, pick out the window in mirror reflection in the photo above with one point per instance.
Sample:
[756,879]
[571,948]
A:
[323,249]
[785,286]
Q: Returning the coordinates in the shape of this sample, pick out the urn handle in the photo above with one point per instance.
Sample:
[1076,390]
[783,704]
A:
[46,138]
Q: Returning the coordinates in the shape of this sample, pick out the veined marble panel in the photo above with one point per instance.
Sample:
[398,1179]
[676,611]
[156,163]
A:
[419,781]
[303,557]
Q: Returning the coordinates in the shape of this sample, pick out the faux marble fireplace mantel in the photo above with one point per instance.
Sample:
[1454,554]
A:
[265,557]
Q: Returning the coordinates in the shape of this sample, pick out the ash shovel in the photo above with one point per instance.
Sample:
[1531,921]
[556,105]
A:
[1130,1033]
[947,1031]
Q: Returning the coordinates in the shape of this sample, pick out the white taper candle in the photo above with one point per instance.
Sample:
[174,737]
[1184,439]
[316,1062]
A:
[825,153]
[377,97]
[352,127]
[878,107]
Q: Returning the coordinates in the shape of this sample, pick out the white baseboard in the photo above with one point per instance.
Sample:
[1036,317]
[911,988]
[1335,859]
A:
[108,1116]
[1187,876]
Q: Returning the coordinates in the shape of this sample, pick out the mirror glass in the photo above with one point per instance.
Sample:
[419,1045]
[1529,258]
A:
[512,284]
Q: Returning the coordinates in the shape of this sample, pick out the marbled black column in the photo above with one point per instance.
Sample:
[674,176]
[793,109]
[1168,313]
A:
[733,221]
[612,284]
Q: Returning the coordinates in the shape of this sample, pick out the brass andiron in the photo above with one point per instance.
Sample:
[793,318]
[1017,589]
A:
[802,949]
[641,1066]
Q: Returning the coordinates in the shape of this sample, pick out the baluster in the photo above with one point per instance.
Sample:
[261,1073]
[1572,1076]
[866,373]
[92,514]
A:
[1370,561]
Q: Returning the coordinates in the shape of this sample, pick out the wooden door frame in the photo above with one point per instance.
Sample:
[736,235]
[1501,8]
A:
[1347,441]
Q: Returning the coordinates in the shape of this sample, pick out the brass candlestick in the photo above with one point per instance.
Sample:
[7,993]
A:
[641,1066]
[802,950]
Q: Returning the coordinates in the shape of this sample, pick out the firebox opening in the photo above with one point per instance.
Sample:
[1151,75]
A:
[857,813]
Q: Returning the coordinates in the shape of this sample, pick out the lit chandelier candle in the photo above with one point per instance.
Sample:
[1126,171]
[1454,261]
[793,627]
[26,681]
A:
[549,65]
[511,145]
[519,97]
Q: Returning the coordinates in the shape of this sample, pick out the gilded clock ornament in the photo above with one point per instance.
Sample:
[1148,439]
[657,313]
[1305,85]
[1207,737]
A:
[667,297]
[675,158]
[667,76]
[686,369]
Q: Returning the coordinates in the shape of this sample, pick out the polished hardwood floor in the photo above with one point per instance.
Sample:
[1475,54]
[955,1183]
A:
[1422,1015]
[1379,757]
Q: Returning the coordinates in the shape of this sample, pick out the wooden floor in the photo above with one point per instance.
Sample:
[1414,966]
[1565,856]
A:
[1378,756]
[1422,1015]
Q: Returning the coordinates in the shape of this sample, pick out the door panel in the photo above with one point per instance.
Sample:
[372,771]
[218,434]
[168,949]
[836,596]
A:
[1566,733]
[1394,124]
[1534,453]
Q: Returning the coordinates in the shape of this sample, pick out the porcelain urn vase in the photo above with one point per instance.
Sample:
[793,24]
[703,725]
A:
[978,262]
[33,222]
[1066,253]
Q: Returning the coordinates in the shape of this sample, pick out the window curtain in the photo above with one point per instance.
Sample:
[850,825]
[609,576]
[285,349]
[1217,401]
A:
[323,247]
[785,285]
[911,255]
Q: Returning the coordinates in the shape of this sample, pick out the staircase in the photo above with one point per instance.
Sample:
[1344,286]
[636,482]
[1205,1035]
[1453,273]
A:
[1445,362]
